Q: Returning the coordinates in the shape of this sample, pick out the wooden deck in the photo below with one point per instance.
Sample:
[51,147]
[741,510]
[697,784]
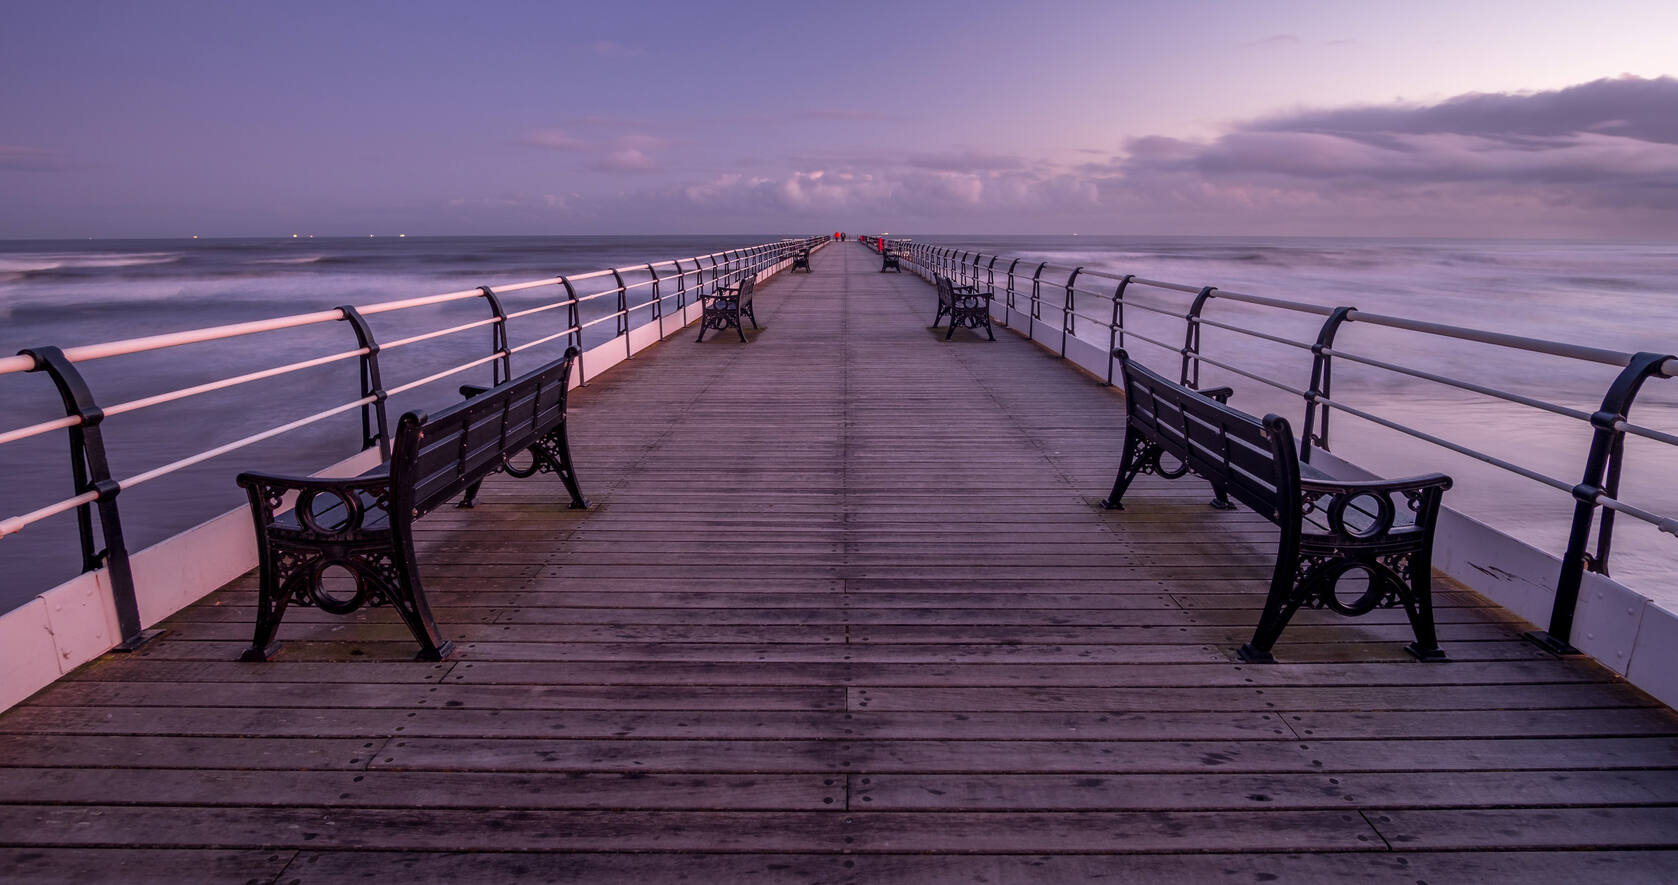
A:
[846,611]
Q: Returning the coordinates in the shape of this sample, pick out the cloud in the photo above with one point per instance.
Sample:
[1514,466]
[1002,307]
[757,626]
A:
[17,158]
[620,154]
[614,49]
[1480,158]
[1599,160]
[555,140]
[1275,41]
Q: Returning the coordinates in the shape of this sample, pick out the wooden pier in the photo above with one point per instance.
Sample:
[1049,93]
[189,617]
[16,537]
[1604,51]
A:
[845,610]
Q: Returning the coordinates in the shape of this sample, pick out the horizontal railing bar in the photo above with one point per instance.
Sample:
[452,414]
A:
[437,376]
[17,523]
[38,429]
[1246,374]
[543,340]
[1534,475]
[1500,339]
[1255,333]
[1664,523]
[1646,432]
[126,346]
[427,336]
[1462,385]
[253,439]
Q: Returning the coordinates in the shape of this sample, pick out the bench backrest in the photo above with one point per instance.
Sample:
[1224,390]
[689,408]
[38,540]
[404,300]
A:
[437,456]
[747,283]
[946,289]
[1255,461]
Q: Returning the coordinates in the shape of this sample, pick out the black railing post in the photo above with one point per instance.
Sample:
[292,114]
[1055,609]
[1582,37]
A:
[623,313]
[1115,329]
[501,369]
[574,321]
[1036,302]
[373,413]
[1008,302]
[1322,384]
[1191,339]
[658,301]
[90,470]
[1069,318]
[1607,437]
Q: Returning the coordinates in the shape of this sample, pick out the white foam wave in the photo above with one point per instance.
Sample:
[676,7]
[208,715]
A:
[32,262]
[306,259]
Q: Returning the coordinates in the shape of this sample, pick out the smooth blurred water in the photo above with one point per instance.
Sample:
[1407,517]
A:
[1619,296]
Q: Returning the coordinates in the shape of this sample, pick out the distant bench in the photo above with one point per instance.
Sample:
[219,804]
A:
[1329,527]
[364,525]
[801,260]
[888,261]
[727,306]
[964,305]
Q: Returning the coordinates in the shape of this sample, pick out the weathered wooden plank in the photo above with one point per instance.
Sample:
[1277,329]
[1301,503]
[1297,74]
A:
[1544,828]
[428,789]
[1152,792]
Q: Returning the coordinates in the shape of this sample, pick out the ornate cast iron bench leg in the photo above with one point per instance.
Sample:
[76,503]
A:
[352,532]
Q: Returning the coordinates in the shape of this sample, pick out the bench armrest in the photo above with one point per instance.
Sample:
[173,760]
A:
[267,492]
[1343,508]
[471,390]
[1221,394]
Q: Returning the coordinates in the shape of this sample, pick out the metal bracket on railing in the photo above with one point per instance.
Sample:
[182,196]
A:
[90,470]
[1191,339]
[1008,301]
[1115,329]
[716,278]
[962,263]
[622,325]
[375,429]
[1069,317]
[1036,301]
[1602,479]
[658,301]
[990,276]
[1322,384]
[574,322]
[501,369]
[682,287]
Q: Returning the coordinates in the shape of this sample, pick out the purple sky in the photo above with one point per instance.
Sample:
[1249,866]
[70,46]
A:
[1482,119]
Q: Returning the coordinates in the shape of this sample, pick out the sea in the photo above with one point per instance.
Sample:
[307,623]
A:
[1620,296]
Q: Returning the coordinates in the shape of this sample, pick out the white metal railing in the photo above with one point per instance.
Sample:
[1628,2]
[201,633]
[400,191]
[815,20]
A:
[654,284]
[1026,289]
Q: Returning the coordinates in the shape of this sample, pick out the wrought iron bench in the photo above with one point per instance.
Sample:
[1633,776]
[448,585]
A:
[888,261]
[964,305]
[727,306]
[1329,527]
[363,525]
[801,260]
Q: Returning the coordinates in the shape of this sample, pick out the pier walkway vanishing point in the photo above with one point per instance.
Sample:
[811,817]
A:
[846,609]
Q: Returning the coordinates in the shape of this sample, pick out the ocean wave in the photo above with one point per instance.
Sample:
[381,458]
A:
[306,259]
[36,262]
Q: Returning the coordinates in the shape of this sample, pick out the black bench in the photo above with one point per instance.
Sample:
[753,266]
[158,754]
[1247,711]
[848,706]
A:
[1329,527]
[888,261]
[363,526]
[801,260]
[964,305]
[726,306]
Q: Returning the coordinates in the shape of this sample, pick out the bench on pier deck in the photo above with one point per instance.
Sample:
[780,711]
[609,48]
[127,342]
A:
[888,261]
[727,306]
[1330,528]
[801,260]
[364,525]
[964,305]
